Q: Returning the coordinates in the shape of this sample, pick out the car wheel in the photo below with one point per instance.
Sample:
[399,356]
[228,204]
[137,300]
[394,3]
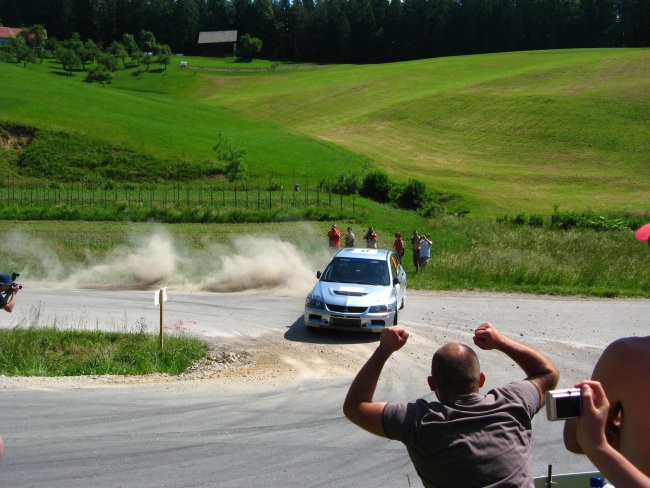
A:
[403,302]
[395,318]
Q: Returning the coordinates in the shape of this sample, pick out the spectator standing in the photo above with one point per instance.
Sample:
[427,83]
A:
[398,246]
[334,236]
[465,438]
[371,238]
[623,371]
[425,250]
[415,244]
[349,238]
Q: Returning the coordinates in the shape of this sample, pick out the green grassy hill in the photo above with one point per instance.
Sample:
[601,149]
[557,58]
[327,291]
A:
[510,132]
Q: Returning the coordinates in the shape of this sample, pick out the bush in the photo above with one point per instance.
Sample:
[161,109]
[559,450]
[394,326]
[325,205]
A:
[346,184]
[99,74]
[412,196]
[536,221]
[248,47]
[376,186]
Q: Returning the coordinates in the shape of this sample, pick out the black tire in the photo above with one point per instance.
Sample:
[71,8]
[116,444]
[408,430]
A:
[395,318]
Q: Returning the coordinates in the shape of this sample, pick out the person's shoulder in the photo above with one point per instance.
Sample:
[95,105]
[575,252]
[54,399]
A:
[521,390]
[626,348]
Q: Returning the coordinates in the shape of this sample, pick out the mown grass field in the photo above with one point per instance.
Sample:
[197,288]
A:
[509,131]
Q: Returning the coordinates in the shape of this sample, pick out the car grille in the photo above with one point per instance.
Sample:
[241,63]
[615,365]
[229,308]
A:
[343,309]
[343,322]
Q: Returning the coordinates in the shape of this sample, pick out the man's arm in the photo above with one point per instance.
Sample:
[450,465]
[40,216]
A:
[10,299]
[359,406]
[539,370]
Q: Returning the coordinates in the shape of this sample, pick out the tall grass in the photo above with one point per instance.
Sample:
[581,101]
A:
[490,256]
[466,254]
[36,351]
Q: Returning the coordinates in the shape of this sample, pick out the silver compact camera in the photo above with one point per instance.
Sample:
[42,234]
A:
[563,404]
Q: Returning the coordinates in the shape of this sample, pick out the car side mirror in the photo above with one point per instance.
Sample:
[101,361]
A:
[318,274]
[395,280]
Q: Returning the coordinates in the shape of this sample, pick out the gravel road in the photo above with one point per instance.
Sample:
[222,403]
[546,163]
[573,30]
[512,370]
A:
[266,409]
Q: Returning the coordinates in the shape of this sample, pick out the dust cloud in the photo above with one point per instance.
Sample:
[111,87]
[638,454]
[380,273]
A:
[246,262]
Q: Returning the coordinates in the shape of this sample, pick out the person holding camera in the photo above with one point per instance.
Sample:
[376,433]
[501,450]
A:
[591,435]
[465,438]
[613,429]
[371,238]
[8,291]
[334,237]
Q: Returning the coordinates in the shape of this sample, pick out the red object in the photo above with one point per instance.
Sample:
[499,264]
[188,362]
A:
[643,234]
[398,245]
[334,237]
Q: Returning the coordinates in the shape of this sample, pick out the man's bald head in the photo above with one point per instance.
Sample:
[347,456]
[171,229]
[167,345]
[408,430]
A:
[455,370]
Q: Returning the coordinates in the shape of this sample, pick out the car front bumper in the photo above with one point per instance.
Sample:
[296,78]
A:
[368,322]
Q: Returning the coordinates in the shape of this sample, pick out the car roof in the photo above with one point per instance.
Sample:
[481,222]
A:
[363,253]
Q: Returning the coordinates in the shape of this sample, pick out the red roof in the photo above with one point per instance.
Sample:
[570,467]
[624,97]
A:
[7,32]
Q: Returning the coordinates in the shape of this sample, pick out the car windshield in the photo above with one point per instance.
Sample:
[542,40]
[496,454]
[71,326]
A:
[360,271]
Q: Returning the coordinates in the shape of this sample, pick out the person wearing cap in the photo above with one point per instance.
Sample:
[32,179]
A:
[398,246]
[8,290]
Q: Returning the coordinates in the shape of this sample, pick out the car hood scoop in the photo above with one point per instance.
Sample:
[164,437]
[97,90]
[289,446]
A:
[348,291]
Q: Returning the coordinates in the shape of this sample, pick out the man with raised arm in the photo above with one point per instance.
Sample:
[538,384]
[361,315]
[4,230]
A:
[465,439]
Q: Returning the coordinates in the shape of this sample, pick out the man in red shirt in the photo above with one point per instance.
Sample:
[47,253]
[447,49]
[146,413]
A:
[334,236]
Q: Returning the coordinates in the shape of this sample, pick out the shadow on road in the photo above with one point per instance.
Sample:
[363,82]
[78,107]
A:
[299,332]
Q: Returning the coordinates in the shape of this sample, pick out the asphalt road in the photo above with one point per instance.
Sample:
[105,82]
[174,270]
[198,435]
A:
[277,432]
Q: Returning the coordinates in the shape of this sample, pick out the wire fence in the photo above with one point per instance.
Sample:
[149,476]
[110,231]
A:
[223,196]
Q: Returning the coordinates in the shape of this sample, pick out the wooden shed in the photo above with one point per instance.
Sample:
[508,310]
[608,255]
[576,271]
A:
[218,43]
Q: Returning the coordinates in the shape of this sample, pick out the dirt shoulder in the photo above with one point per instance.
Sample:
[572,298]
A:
[268,359]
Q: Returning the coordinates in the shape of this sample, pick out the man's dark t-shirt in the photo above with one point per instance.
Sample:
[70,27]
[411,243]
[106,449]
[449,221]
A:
[473,440]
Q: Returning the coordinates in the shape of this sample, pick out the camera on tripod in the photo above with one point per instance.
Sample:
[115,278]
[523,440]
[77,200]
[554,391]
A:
[13,278]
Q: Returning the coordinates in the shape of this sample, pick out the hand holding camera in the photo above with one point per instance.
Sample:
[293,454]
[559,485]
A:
[17,286]
[563,404]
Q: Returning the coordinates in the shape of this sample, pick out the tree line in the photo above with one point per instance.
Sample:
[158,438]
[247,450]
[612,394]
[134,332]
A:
[358,31]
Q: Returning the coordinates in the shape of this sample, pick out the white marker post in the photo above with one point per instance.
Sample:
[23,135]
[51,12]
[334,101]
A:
[159,298]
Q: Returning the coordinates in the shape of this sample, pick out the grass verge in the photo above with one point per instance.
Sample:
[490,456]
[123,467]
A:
[36,351]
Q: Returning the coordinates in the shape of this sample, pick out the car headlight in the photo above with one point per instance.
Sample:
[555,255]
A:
[314,303]
[380,308]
